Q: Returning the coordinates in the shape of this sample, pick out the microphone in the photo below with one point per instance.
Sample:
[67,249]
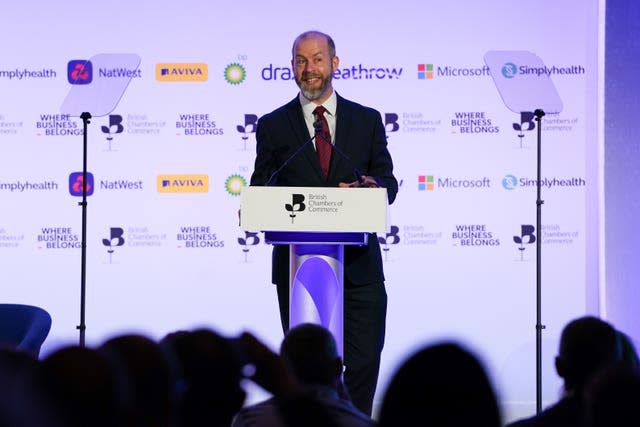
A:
[317,126]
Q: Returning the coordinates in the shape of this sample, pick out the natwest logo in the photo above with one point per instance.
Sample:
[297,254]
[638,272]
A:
[76,181]
[182,72]
[80,72]
[183,183]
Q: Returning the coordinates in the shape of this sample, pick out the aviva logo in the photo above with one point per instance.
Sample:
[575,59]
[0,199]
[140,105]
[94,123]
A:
[183,183]
[174,72]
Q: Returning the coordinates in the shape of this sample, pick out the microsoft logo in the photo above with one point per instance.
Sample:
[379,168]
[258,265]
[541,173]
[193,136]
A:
[425,71]
[425,183]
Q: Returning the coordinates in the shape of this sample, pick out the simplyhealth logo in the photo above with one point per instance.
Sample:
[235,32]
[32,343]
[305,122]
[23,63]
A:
[297,205]
[183,183]
[182,72]
[80,72]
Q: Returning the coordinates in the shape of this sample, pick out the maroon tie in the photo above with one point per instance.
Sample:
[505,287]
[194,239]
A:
[323,141]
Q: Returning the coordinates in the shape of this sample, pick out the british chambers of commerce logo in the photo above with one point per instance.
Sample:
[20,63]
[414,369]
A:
[76,181]
[297,205]
[80,72]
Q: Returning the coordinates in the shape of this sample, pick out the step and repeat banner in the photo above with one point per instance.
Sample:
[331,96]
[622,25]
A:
[167,164]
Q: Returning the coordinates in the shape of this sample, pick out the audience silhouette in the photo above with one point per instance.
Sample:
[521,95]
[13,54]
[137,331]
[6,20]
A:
[587,345]
[440,385]
[144,377]
[612,398]
[210,371]
[310,352]
[195,378]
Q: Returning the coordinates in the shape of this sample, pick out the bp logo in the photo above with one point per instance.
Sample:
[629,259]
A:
[234,184]
[234,73]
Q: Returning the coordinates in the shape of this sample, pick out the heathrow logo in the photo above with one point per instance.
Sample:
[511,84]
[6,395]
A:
[297,205]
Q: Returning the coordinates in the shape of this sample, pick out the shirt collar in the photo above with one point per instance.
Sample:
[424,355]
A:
[308,106]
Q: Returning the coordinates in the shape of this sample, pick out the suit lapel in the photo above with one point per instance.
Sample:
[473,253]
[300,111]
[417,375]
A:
[299,126]
[343,124]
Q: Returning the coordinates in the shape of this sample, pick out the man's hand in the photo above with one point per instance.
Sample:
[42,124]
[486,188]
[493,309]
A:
[271,373]
[365,181]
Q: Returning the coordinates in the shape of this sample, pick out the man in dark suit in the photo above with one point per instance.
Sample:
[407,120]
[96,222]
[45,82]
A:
[358,135]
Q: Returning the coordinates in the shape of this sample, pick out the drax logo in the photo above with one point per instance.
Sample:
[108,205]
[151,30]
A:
[79,72]
[526,237]
[76,182]
[115,239]
[249,239]
[297,205]
[391,238]
[526,124]
[115,127]
[249,127]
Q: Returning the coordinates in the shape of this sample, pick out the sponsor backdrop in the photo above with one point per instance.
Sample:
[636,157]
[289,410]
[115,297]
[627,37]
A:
[167,165]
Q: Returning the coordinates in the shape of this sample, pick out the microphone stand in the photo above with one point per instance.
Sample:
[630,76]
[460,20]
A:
[83,258]
[317,125]
[539,326]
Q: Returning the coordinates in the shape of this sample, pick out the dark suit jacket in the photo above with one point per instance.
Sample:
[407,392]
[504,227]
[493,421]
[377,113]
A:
[360,135]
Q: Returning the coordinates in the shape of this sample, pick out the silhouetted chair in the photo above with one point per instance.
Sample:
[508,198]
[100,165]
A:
[24,327]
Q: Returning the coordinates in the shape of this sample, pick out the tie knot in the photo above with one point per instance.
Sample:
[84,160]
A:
[319,111]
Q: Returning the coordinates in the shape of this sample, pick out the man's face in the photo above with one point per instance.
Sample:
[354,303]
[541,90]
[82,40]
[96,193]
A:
[313,68]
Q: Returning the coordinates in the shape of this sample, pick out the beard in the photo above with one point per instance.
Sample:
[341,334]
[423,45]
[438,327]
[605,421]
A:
[313,94]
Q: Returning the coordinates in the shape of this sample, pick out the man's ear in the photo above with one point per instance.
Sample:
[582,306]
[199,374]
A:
[338,367]
[335,62]
[560,367]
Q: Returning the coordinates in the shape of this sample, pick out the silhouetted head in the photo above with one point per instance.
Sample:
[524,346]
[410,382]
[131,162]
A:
[79,385]
[587,344]
[145,379]
[440,385]
[211,372]
[613,397]
[311,353]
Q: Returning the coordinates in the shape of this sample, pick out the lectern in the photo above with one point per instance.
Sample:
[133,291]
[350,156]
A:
[316,222]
